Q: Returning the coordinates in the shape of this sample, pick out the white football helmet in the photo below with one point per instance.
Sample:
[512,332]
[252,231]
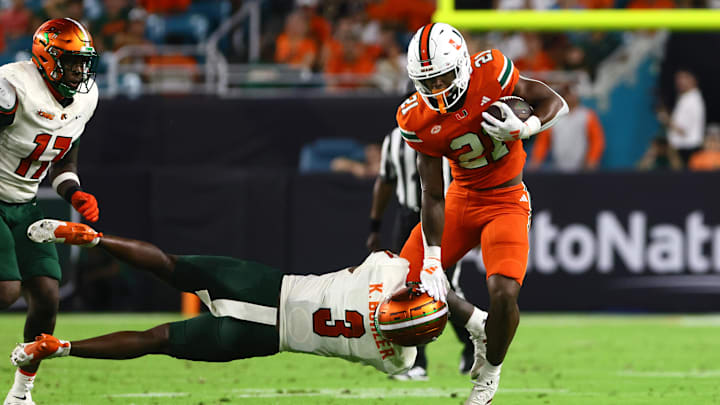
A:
[435,50]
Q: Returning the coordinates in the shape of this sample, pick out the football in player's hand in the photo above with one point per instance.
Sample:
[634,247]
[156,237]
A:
[520,107]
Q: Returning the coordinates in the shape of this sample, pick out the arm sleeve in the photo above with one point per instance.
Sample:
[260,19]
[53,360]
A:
[596,139]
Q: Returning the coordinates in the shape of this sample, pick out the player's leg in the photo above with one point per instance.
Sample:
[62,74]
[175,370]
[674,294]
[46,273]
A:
[40,272]
[9,270]
[203,338]
[9,293]
[503,215]
[243,300]
[139,254]
[43,299]
[505,250]
[115,346]
[123,345]
[212,275]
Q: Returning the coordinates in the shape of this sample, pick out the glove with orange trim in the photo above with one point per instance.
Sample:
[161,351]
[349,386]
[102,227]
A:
[86,205]
[512,128]
[433,279]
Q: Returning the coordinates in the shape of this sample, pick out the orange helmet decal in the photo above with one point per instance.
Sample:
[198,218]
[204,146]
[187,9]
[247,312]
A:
[58,38]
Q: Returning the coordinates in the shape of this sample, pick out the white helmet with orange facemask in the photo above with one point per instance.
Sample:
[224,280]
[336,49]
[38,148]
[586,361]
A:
[438,50]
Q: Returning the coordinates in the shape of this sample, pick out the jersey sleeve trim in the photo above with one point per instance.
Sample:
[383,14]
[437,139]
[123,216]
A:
[505,76]
[409,136]
[11,111]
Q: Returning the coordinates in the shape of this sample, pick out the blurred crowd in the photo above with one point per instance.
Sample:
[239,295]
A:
[354,43]
[346,45]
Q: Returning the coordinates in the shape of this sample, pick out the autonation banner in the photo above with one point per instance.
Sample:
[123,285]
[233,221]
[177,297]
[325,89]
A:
[625,241]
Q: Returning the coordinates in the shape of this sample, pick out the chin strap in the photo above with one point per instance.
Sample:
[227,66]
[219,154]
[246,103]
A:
[441,104]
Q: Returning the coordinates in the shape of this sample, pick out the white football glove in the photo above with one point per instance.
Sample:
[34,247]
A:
[511,129]
[433,279]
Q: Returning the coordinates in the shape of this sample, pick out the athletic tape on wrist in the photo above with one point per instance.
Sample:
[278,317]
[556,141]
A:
[432,252]
[62,177]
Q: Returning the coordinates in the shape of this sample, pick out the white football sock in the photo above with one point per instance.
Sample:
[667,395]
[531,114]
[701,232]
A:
[476,324]
[23,383]
[488,369]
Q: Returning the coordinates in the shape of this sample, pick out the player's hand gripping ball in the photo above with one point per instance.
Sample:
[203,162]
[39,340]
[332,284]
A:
[505,119]
[520,107]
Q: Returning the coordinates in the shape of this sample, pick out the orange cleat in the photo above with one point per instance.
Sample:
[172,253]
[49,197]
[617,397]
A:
[44,347]
[70,233]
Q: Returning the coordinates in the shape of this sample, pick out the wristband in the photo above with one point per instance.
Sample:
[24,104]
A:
[375,225]
[432,252]
[62,177]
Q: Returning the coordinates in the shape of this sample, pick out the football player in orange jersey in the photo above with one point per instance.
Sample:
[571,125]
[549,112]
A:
[487,203]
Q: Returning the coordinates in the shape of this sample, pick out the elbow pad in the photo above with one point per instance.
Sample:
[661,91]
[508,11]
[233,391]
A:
[8,102]
[8,98]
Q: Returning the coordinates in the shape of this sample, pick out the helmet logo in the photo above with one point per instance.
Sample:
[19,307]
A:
[455,45]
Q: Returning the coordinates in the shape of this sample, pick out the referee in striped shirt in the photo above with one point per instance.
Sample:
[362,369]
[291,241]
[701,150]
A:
[398,173]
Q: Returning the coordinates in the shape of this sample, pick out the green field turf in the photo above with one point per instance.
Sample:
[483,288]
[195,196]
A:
[556,359]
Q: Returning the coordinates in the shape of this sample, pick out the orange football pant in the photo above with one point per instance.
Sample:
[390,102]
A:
[498,220]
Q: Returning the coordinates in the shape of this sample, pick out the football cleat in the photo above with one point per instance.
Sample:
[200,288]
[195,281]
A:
[484,389]
[19,398]
[70,233]
[44,347]
[414,374]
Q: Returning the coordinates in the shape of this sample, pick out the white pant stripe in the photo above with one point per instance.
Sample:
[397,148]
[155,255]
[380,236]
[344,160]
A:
[243,311]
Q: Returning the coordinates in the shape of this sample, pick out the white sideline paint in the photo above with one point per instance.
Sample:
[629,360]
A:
[382,392]
[151,395]
[671,374]
[348,393]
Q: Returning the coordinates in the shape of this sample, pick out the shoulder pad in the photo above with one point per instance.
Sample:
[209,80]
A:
[8,97]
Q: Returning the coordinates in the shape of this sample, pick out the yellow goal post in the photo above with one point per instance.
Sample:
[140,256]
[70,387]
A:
[577,19]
